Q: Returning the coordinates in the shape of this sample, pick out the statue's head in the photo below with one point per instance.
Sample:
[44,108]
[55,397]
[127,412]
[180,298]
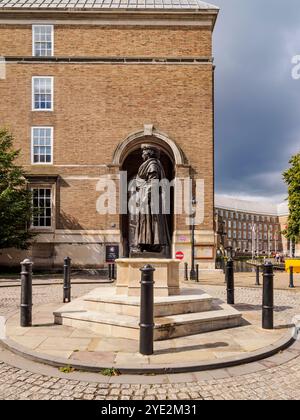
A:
[150,152]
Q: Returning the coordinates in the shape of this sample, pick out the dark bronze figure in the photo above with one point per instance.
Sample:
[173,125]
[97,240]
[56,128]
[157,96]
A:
[152,231]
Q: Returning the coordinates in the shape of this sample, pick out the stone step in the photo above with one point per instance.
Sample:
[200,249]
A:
[124,326]
[222,317]
[163,306]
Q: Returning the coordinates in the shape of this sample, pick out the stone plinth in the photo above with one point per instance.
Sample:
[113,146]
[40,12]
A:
[166,276]
[111,315]
[115,311]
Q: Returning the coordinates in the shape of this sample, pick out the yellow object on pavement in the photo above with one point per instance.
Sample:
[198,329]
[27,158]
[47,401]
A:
[293,262]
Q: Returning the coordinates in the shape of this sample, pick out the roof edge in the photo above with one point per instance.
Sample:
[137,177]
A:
[265,207]
[188,15]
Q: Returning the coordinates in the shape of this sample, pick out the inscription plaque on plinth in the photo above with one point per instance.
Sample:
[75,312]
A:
[166,276]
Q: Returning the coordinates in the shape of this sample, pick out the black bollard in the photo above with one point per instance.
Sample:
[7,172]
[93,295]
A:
[109,272]
[257,276]
[229,278]
[292,286]
[197,273]
[186,269]
[67,280]
[268,298]
[26,293]
[147,310]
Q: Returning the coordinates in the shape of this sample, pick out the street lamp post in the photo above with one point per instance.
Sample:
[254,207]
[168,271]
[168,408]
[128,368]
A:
[193,273]
[257,238]
[222,234]
[253,240]
[221,231]
[269,242]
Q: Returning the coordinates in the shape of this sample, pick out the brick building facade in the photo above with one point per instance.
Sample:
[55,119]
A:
[86,83]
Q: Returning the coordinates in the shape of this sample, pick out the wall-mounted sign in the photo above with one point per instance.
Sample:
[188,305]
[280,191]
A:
[179,255]
[112,253]
[205,252]
[182,238]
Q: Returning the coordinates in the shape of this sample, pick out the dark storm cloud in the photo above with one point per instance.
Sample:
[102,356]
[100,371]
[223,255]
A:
[257,100]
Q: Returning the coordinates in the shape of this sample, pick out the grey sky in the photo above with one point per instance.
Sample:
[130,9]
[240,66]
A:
[257,100]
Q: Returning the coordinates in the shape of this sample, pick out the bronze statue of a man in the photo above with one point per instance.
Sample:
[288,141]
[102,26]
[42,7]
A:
[152,231]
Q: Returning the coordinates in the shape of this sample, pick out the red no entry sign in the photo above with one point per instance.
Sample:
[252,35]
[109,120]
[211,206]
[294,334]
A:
[179,255]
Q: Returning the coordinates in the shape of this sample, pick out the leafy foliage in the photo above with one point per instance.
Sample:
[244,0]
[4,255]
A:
[110,372]
[15,199]
[66,369]
[292,179]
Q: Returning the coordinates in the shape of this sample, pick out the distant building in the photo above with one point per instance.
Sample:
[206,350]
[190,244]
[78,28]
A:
[248,226]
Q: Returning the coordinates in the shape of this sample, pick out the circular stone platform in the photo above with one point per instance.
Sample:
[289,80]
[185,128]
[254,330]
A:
[60,345]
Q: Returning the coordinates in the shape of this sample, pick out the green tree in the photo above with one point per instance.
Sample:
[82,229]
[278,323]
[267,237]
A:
[15,199]
[292,179]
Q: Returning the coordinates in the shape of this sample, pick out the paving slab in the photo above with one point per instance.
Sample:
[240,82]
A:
[178,357]
[64,343]
[95,357]
[53,331]
[246,369]
[131,358]
[107,344]
[29,342]
[65,354]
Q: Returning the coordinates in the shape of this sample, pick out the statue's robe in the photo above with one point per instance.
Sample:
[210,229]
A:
[152,226]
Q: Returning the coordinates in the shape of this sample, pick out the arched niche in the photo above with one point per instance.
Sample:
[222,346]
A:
[161,140]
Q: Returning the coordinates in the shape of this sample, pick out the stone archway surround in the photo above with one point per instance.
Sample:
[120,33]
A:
[135,139]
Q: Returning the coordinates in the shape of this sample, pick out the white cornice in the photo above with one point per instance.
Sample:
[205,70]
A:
[161,17]
[109,22]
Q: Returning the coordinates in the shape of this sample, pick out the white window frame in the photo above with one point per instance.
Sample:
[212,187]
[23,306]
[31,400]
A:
[36,25]
[52,94]
[52,198]
[32,145]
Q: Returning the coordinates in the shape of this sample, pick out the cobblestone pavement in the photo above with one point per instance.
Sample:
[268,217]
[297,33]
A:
[280,382]
[10,296]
